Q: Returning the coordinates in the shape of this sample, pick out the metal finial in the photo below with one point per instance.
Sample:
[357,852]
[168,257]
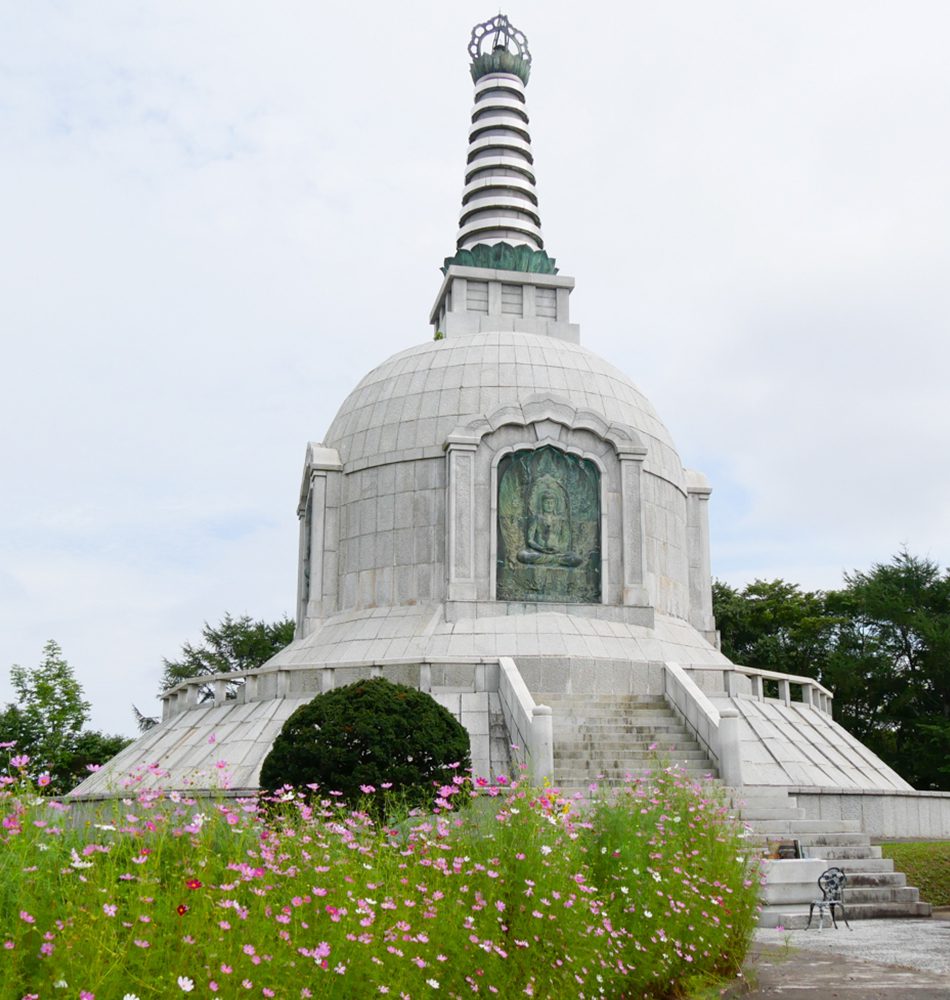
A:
[497,45]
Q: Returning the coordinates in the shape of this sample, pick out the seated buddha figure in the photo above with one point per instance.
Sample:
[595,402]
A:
[548,535]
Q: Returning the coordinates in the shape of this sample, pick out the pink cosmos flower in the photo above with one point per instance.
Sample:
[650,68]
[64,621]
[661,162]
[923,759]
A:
[43,780]
[21,760]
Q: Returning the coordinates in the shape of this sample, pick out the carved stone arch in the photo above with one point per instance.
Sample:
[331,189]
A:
[474,450]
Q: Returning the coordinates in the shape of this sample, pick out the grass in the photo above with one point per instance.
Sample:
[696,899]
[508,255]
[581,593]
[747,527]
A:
[649,892]
[926,865]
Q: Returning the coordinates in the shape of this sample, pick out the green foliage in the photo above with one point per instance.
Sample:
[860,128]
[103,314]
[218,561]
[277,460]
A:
[881,644]
[927,866]
[773,625]
[90,747]
[46,722]
[891,662]
[233,645]
[364,735]
[523,895]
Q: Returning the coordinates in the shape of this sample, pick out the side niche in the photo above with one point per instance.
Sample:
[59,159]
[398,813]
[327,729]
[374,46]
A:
[549,545]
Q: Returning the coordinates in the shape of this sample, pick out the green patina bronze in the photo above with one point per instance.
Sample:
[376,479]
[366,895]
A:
[503,257]
[548,528]
[501,61]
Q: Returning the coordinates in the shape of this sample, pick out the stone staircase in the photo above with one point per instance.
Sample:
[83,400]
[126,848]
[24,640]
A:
[603,738]
[606,739]
[873,889]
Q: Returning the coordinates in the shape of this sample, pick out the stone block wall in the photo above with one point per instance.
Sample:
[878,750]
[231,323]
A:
[667,545]
[392,535]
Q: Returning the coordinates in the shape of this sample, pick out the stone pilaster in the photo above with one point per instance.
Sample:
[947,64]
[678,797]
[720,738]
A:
[460,522]
[634,549]
[700,572]
[319,537]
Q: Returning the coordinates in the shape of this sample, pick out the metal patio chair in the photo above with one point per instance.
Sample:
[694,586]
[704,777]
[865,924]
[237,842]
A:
[831,883]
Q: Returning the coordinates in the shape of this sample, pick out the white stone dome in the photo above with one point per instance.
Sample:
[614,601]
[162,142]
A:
[414,400]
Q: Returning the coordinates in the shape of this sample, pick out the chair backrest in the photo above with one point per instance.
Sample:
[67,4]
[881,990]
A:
[831,883]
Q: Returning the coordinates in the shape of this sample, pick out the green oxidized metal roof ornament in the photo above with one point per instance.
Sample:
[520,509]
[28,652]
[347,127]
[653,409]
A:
[499,47]
[503,257]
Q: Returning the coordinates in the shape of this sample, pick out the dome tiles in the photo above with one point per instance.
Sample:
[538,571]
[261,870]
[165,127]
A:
[416,398]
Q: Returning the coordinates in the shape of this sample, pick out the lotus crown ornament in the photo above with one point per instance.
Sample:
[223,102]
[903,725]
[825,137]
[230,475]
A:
[497,46]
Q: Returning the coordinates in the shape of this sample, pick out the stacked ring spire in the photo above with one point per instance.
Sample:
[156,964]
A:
[499,201]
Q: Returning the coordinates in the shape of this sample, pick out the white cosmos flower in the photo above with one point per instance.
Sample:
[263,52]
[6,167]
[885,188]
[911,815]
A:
[130,996]
[60,984]
[434,983]
[185,984]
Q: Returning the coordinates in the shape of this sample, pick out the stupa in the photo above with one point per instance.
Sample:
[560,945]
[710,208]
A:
[498,516]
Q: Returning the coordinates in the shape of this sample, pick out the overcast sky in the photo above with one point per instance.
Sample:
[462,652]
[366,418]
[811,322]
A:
[217,216]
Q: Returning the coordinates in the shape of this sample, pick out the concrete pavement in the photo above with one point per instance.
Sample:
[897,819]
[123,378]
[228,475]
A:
[878,960]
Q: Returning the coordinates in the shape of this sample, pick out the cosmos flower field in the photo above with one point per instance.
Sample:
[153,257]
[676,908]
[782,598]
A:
[502,890]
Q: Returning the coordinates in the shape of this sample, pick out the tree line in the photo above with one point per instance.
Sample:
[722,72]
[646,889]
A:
[881,644]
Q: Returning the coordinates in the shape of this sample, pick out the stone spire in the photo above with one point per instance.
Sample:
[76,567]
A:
[499,225]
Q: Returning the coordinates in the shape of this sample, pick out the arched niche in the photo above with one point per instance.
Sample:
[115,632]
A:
[478,453]
[548,527]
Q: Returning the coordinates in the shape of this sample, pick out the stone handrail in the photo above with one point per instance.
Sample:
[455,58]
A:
[530,726]
[717,731]
[814,694]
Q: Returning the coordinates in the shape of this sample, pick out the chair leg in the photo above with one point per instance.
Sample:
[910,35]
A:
[844,915]
[811,912]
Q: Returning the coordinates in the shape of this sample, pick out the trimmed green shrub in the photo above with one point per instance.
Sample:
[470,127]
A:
[368,734]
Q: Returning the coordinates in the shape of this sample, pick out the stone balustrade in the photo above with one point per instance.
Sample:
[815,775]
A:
[751,682]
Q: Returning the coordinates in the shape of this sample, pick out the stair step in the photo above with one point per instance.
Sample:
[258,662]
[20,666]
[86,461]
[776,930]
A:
[608,714]
[624,699]
[887,894]
[873,880]
[807,827]
[621,726]
[611,772]
[866,866]
[756,816]
[795,917]
[833,855]
[577,749]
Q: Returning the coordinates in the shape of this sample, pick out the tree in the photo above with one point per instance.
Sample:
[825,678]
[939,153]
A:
[235,644]
[881,644]
[47,721]
[774,625]
[891,665]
